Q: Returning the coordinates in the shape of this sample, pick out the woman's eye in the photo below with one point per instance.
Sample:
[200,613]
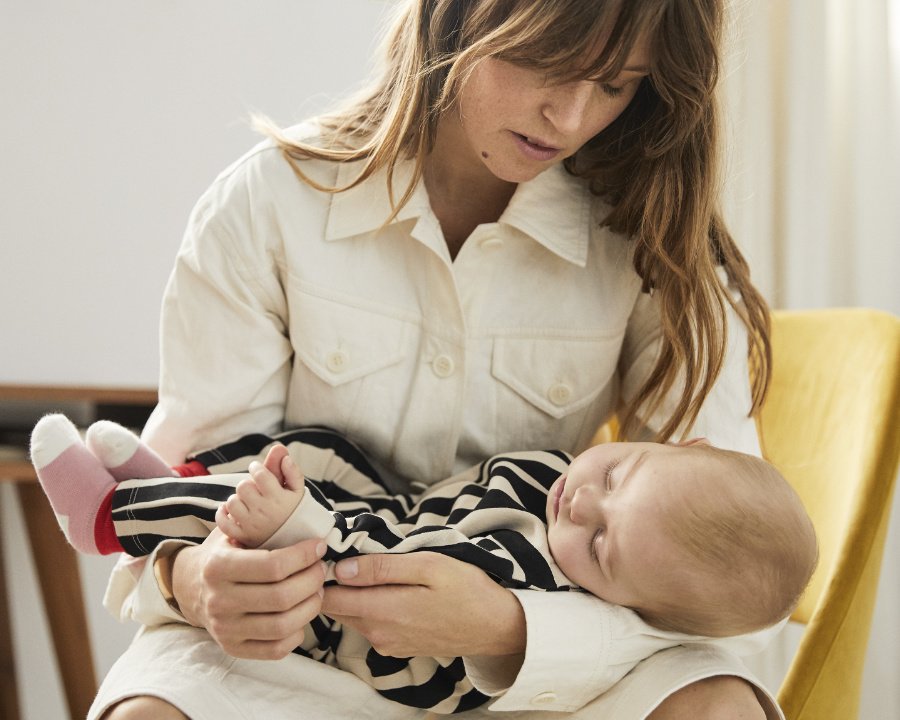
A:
[612,90]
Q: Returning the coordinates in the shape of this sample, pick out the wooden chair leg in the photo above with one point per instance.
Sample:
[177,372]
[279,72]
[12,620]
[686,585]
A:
[9,694]
[60,580]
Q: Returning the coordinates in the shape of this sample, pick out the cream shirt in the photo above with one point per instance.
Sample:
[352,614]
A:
[289,306]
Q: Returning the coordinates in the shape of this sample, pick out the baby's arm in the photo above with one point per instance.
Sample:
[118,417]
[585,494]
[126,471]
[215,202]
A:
[263,501]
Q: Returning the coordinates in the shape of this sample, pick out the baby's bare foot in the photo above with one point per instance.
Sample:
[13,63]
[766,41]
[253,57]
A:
[264,501]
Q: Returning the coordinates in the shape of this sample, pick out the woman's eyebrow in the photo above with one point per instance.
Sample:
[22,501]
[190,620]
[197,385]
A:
[637,69]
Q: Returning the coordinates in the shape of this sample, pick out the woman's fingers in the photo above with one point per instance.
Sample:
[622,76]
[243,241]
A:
[262,566]
[425,603]
[281,625]
[268,650]
[254,603]
[266,635]
[252,598]
[419,568]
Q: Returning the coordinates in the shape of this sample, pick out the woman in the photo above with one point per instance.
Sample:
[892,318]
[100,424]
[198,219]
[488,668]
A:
[510,236]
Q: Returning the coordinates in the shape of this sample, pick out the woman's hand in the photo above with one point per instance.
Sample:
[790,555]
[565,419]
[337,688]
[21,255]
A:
[425,603]
[254,603]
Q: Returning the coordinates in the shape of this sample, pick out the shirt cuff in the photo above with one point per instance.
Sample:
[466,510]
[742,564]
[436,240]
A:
[560,655]
[133,592]
[565,636]
[578,647]
[308,520]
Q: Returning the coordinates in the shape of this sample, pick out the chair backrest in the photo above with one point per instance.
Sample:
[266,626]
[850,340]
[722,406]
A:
[831,424]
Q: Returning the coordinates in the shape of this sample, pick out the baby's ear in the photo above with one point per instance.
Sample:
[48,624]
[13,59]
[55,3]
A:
[693,441]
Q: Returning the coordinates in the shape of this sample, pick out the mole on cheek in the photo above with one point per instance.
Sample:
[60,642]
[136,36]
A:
[484,154]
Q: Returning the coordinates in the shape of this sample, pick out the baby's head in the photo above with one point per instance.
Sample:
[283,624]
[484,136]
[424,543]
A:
[694,538]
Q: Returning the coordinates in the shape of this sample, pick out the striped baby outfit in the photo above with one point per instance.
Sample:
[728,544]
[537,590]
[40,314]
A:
[492,516]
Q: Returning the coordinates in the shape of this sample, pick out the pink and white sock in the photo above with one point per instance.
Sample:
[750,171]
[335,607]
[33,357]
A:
[80,489]
[123,453]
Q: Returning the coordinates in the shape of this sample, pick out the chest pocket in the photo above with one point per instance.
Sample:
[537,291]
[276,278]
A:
[552,392]
[351,367]
[559,377]
[341,343]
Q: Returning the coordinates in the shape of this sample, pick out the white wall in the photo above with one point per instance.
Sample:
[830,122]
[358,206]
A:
[116,115]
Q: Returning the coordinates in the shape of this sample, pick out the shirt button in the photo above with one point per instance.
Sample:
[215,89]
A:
[560,394]
[491,243]
[337,361]
[443,366]
[544,698]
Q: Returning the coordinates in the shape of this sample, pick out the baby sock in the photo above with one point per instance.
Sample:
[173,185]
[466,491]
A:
[123,453]
[80,489]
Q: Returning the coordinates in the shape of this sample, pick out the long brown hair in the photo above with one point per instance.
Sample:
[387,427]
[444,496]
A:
[656,165]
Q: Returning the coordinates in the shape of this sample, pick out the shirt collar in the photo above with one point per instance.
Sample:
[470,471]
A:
[553,208]
[366,207]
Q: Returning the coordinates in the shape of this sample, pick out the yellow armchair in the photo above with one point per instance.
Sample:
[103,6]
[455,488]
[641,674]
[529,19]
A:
[831,424]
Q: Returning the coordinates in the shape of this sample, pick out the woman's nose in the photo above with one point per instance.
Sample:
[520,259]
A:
[586,507]
[568,105]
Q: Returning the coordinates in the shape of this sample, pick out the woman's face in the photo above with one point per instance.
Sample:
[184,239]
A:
[516,123]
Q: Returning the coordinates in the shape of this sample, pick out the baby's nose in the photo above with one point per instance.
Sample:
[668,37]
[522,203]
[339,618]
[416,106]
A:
[585,505]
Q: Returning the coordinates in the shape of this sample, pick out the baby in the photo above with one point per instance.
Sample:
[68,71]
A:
[694,540]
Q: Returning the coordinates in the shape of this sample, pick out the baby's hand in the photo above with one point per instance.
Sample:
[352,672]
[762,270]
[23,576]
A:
[264,501]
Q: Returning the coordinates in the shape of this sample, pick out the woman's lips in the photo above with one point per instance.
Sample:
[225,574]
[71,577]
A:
[533,148]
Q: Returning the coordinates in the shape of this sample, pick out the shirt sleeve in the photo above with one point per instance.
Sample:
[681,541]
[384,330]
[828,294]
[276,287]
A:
[724,418]
[225,357]
[225,351]
[556,676]
[133,593]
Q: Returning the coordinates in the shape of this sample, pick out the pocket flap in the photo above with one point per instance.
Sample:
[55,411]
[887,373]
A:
[341,342]
[558,376]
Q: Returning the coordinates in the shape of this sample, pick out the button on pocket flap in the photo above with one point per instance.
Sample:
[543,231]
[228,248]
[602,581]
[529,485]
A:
[558,376]
[341,342]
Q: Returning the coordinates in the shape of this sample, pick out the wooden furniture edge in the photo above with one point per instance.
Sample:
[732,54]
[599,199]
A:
[20,470]
[79,393]
[17,471]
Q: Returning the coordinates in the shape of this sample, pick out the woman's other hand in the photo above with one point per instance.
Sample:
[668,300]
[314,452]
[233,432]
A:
[254,603]
[427,604]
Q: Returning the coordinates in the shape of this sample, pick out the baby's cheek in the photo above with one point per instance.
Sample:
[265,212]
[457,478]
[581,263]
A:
[562,552]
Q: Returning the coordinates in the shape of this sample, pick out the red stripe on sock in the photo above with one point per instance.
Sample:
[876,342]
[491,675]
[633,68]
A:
[104,531]
[191,469]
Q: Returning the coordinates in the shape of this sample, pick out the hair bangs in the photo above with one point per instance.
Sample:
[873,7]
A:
[566,39]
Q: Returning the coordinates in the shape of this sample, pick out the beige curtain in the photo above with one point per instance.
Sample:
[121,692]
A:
[812,193]
[812,186]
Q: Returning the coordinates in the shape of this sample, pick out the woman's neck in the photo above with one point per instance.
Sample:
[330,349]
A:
[463,192]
